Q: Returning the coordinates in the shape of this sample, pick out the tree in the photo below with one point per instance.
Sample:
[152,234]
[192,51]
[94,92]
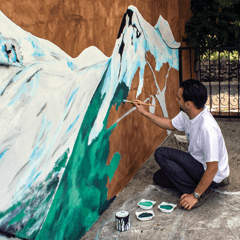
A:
[215,23]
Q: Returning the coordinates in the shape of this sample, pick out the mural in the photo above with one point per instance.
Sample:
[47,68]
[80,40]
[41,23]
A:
[55,133]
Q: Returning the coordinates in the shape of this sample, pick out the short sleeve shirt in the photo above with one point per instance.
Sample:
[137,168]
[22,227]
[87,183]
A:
[206,143]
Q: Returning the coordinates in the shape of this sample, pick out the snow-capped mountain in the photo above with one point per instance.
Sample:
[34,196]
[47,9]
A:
[47,100]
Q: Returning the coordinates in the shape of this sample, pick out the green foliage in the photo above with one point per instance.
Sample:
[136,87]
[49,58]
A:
[215,23]
[215,55]
[228,3]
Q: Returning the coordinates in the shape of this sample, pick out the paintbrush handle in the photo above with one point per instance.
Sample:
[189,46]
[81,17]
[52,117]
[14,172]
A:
[147,104]
[141,103]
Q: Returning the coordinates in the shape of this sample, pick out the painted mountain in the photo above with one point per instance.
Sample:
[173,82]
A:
[54,141]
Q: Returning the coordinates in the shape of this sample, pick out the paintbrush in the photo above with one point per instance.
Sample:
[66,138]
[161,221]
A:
[140,103]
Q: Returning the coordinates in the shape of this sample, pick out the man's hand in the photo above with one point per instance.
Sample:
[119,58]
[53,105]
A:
[187,201]
[139,107]
[162,122]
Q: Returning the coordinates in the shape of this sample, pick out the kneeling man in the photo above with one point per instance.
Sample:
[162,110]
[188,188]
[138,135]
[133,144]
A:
[206,163]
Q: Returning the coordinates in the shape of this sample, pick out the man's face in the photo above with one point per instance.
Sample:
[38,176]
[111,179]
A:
[180,100]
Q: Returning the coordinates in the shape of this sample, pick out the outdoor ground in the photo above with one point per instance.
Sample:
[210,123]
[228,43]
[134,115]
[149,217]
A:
[218,218]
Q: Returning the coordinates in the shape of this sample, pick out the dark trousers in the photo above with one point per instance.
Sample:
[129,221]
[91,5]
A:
[179,170]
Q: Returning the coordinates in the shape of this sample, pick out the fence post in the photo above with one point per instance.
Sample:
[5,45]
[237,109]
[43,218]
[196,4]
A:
[180,66]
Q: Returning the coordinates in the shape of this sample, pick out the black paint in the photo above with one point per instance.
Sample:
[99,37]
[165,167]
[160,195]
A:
[120,51]
[129,13]
[9,235]
[144,215]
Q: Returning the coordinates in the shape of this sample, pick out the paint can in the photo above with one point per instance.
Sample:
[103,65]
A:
[122,221]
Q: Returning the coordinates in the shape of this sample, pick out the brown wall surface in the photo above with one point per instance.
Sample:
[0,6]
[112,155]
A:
[75,25]
[138,136]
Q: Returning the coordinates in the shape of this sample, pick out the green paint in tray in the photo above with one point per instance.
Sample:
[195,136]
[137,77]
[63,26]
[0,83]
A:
[167,207]
[146,204]
[144,215]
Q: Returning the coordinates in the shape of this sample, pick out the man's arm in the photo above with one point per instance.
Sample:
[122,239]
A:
[212,168]
[206,180]
[162,122]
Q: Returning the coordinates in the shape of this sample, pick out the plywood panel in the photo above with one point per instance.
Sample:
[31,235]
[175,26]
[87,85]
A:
[69,143]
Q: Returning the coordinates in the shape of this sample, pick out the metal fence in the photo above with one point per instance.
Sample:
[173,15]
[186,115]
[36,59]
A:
[218,70]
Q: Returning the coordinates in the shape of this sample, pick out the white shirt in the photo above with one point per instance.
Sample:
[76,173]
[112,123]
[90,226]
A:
[206,143]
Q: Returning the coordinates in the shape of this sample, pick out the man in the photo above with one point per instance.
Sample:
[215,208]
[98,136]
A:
[206,163]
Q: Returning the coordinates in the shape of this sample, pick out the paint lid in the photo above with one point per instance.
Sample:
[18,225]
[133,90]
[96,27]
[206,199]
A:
[122,214]
[146,204]
[167,207]
[145,215]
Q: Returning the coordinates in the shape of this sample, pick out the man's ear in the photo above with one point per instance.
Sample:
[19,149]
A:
[190,104]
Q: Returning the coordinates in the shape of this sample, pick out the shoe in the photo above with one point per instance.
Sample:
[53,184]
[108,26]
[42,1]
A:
[201,200]
[224,182]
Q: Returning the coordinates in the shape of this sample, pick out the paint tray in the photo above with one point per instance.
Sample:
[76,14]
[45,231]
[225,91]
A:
[146,204]
[167,207]
[145,215]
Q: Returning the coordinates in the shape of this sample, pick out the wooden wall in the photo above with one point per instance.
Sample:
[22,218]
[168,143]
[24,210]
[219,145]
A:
[74,25]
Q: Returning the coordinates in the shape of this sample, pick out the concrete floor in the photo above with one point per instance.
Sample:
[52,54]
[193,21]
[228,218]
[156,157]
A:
[218,218]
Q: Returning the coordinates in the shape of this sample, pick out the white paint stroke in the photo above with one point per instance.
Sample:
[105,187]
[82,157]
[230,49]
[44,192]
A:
[153,102]
[176,224]
[127,113]
[232,225]
[231,206]
[227,193]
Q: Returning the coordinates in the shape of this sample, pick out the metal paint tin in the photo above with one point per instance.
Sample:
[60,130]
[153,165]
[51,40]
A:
[122,221]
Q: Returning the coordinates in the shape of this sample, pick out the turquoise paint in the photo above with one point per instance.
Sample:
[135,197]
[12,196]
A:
[71,126]
[146,204]
[4,53]
[38,52]
[72,96]
[33,180]
[41,143]
[70,65]
[82,194]
[14,58]
[111,168]
[2,154]
[167,207]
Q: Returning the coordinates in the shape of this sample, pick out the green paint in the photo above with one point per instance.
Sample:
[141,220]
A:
[145,215]
[82,193]
[167,207]
[146,204]
[28,215]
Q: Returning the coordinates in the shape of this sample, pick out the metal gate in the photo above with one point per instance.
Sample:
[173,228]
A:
[218,70]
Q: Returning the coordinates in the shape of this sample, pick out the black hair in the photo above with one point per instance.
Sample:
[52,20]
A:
[194,91]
